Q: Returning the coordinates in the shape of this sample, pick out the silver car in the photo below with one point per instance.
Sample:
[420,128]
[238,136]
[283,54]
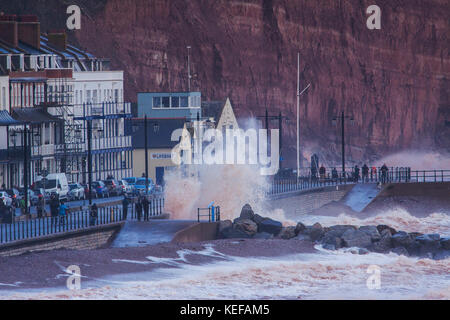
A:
[76,192]
[6,198]
[126,187]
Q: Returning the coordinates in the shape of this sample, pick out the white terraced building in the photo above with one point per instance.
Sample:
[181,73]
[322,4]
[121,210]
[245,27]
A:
[56,89]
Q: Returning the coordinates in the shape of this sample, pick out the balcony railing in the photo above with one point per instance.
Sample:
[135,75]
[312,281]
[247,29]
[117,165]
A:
[98,144]
[102,109]
[43,150]
[111,142]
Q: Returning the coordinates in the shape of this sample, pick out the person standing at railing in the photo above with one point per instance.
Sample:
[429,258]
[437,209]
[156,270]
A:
[62,213]
[384,172]
[138,207]
[322,172]
[334,174]
[40,207]
[125,204]
[9,214]
[54,208]
[145,205]
[365,173]
[373,173]
[3,211]
[22,206]
[93,214]
[356,173]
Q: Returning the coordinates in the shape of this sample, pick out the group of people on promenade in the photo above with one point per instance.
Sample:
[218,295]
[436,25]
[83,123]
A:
[142,204]
[58,210]
[365,174]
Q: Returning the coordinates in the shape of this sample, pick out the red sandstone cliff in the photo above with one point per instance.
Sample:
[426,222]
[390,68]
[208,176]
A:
[394,81]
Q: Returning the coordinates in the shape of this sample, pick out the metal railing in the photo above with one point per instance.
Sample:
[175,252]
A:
[213,213]
[280,186]
[155,208]
[102,109]
[34,228]
[78,220]
[393,175]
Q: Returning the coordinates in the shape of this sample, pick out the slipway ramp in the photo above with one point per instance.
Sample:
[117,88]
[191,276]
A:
[361,195]
[144,233]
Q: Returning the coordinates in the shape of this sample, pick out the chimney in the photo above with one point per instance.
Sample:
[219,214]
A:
[58,39]
[8,30]
[30,30]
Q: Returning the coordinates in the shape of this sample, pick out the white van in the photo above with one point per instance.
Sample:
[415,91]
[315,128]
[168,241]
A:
[53,183]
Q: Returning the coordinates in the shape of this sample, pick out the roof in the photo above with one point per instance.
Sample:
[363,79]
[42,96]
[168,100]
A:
[7,120]
[212,109]
[159,138]
[33,115]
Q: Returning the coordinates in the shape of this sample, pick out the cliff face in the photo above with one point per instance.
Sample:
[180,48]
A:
[395,82]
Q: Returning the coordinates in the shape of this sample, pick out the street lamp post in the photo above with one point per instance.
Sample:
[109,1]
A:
[89,134]
[27,144]
[146,155]
[342,117]
[25,166]
[156,129]
[280,118]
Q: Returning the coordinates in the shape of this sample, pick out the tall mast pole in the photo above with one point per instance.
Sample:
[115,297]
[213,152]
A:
[189,69]
[298,115]
[343,144]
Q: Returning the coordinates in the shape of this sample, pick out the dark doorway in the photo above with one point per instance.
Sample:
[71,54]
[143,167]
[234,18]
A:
[160,175]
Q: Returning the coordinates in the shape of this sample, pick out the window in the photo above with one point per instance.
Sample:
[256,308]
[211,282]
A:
[183,102]
[194,101]
[4,97]
[166,102]
[50,96]
[116,95]
[175,102]
[94,96]
[156,102]
[88,96]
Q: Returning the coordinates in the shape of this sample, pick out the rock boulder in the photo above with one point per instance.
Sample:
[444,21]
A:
[270,226]
[287,233]
[356,238]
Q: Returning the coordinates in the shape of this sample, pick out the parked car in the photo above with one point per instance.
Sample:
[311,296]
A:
[76,192]
[6,198]
[54,183]
[86,190]
[14,194]
[126,187]
[140,185]
[131,180]
[41,192]
[101,189]
[32,196]
[113,187]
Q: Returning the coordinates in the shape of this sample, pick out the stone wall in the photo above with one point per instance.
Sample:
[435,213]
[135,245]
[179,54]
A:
[201,231]
[315,199]
[309,200]
[90,238]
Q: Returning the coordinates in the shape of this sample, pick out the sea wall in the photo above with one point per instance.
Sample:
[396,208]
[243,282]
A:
[310,200]
[90,238]
[201,231]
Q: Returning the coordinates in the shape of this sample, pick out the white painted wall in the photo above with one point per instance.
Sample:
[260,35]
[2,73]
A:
[101,84]
[4,93]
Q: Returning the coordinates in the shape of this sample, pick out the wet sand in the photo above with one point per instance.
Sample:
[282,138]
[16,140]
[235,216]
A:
[46,269]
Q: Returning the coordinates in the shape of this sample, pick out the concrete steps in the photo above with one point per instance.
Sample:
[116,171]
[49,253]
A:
[361,196]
